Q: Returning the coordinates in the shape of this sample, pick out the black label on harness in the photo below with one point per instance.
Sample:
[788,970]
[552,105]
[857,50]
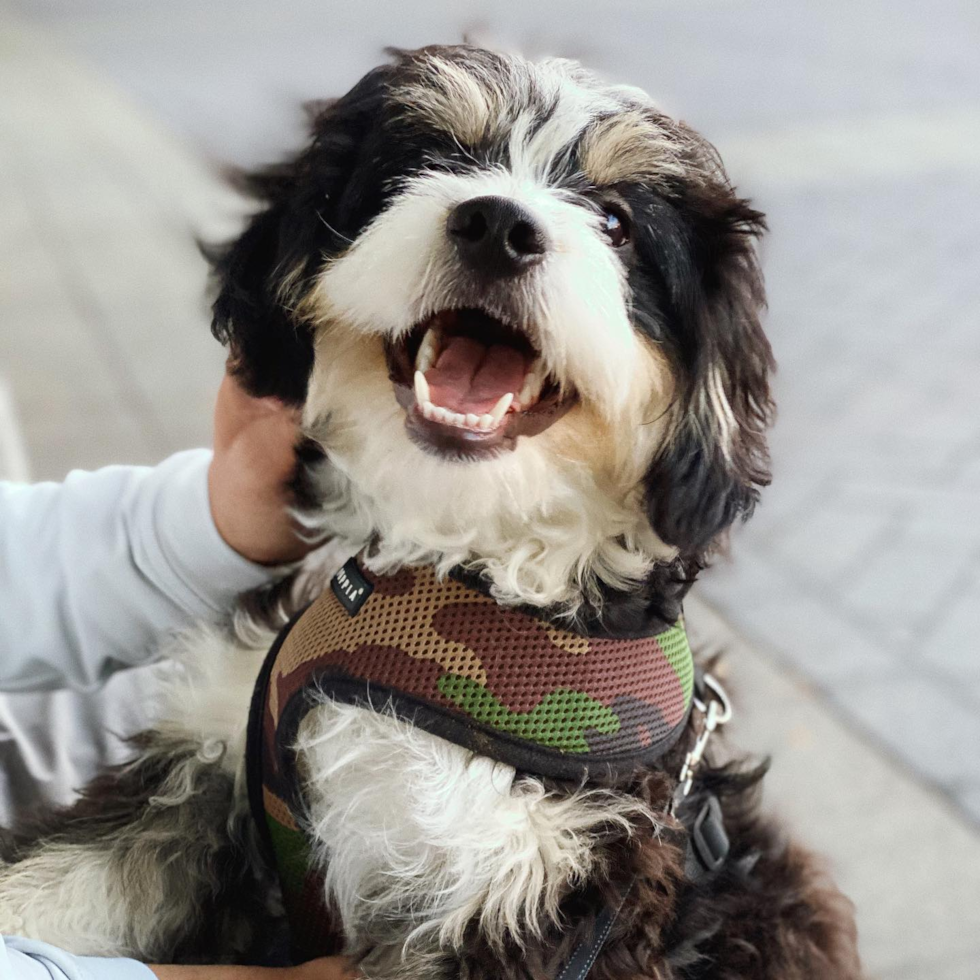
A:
[351,587]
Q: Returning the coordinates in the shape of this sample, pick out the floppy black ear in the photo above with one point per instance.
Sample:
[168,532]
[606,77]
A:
[711,467]
[261,277]
[271,352]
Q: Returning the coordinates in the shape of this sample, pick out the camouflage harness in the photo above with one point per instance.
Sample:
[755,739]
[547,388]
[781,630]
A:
[500,681]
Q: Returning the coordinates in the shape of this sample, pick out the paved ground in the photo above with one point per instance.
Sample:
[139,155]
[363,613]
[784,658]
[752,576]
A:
[104,341]
[859,579]
[907,859]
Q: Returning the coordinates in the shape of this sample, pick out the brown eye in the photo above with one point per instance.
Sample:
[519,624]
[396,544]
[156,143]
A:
[616,226]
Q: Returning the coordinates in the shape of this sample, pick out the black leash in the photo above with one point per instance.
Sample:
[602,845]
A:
[585,953]
[707,842]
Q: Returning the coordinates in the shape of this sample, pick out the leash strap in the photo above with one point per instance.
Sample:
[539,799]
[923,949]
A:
[708,845]
[585,954]
[707,850]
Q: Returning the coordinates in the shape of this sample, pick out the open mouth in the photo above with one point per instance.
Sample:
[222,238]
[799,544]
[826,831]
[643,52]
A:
[471,384]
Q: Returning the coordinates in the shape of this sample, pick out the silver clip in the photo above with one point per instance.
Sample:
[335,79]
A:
[717,712]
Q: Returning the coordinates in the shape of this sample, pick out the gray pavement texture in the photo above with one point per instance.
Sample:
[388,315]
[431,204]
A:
[908,861]
[856,127]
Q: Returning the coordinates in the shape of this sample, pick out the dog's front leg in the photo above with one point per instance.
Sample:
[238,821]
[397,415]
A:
[149,863]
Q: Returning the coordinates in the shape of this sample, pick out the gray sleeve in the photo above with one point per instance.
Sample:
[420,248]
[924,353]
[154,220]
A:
[26,959]
[95,571]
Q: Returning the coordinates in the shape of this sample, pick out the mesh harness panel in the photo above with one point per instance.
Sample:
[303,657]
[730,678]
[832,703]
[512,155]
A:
[503,682]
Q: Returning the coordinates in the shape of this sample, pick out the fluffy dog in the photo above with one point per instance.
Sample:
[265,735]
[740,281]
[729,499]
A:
[521,310]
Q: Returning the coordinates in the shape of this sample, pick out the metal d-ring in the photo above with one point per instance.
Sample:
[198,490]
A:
[721,697]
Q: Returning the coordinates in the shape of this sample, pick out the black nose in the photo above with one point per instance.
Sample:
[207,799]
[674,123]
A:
[496,236]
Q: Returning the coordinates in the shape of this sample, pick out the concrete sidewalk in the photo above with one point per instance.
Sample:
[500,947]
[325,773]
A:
[104,340]
[105,347]
[14,464]
[905,856]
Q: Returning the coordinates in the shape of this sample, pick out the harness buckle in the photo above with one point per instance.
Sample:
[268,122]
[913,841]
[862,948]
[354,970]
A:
[709,841]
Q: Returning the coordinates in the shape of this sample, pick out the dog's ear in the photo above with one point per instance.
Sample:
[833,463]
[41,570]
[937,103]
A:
[715,459]
[261,277]
[271,353]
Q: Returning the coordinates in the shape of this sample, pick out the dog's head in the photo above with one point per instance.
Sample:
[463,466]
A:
[522,310]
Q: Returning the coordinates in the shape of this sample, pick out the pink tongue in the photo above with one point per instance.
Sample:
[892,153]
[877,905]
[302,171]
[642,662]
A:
[470,377]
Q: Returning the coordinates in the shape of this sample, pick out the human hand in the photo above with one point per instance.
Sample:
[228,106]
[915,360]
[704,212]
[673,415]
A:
[254,458]
[324,968]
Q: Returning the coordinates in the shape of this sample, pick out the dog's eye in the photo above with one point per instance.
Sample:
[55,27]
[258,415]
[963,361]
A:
[616,226]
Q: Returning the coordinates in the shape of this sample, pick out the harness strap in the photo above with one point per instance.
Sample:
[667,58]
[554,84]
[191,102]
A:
[707,850]
[585,953]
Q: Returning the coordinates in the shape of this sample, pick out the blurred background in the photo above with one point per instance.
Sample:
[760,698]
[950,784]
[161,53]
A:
[851,606]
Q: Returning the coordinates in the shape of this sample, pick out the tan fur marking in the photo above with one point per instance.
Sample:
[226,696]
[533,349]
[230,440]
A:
[451,98]
[628,146]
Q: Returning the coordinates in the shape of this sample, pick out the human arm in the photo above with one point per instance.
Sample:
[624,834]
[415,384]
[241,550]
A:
[324,968]
[96,570]
[25,959]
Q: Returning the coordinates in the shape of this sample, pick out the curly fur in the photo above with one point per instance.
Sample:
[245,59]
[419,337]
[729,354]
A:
[148,863]
[666,448]
[474,840]
[438,863]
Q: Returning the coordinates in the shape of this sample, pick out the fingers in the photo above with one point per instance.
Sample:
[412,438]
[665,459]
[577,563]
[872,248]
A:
[330,968]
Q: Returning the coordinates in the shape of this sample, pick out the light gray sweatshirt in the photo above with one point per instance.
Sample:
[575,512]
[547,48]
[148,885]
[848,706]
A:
[94,573]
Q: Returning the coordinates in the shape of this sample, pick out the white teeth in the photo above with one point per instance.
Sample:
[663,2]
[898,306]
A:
[500,409]
[531,389]
[427,350]
[482,423]
[436,413]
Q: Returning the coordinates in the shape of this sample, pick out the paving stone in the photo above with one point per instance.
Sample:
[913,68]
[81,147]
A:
[105,341]
[14,463]
[952,640]
[933,508]
[805,629]
[909,578]
[910,863]
[970,800]
[932,724]
[962,968]
[835,542]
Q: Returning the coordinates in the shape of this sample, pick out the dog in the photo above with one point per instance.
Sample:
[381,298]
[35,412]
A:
[521,310]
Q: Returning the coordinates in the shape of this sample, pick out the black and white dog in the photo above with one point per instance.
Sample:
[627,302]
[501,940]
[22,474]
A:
[521,310]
